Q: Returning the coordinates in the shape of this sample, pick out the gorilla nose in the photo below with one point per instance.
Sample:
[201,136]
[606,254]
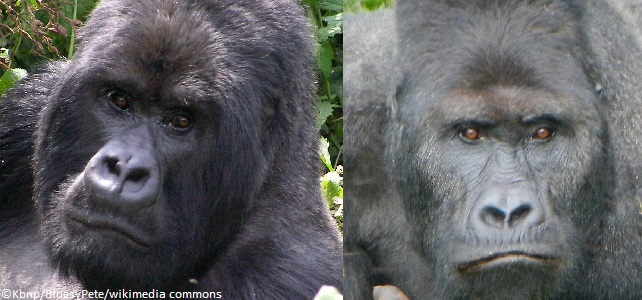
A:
[505,218]
[122,177]
[515,208]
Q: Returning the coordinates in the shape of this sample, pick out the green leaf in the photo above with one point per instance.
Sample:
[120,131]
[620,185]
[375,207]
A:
[332,5]
[35,4]
[325,109]
[4,53]
[334,26]
[325,54]
[9,78]
[372,4]
[334,20]
[331,187]
[313,3]
[325,155]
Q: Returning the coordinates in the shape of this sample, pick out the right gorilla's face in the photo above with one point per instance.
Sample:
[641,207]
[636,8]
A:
[502,184]
[146,155]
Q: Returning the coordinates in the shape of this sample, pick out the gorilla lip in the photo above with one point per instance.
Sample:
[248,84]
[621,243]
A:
[506,258]
[135,239]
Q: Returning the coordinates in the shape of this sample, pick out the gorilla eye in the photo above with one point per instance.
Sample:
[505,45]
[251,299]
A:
[119,99]
[471,134]
[542,133]
[180,121]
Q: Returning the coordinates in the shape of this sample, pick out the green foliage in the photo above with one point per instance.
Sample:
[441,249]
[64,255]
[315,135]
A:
[355,5]
[9,78]
[35,30]
[332,184]
[326,17]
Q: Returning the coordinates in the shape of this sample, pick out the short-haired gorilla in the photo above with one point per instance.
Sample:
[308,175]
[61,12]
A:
[176,151]
[492,150]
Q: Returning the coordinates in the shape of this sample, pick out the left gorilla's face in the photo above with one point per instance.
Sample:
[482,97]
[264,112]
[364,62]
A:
[138,157]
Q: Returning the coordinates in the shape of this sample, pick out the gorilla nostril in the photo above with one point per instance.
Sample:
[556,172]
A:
[138,175]
[135,180]
[493,216]
[499,218]
[112,165]
[518,215]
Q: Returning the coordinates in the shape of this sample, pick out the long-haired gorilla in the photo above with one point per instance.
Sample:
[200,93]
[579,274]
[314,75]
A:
[176,151]
[493,150]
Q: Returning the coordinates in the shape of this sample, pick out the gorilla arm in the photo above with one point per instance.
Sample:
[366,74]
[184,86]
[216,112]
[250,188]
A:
[23,262]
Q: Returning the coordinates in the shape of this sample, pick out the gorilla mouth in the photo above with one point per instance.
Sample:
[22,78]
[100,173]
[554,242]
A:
[134,238]
[509,258]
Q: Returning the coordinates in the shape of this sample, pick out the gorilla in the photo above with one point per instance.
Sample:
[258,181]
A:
[176,151]
[492,150]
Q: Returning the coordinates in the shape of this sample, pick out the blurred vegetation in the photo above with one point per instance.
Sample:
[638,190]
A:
[356,5]
[35,30]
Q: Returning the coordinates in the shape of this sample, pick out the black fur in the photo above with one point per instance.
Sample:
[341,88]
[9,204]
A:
[230,202]
[505,210]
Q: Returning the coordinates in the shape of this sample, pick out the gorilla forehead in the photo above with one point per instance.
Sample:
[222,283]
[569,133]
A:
[498,24]
[173,41]
[486,44]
